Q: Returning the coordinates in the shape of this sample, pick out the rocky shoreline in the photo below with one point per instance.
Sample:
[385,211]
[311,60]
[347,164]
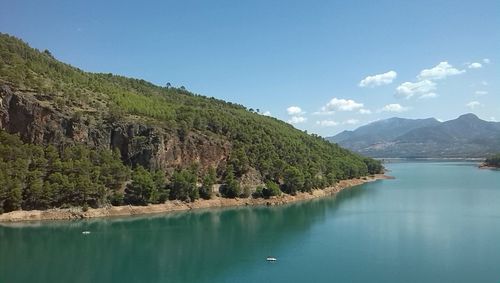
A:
[171,206]
[487,166]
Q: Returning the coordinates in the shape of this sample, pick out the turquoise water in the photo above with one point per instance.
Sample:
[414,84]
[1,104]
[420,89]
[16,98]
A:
[437,222]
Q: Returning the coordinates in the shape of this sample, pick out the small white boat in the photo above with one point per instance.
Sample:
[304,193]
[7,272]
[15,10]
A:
[86,232]
[270,258]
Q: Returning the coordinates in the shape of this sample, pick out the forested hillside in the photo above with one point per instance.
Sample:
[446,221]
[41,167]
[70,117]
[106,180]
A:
[89,139]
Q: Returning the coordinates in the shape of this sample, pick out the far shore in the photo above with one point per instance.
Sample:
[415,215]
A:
[171,206]
[486,166]
[432,158]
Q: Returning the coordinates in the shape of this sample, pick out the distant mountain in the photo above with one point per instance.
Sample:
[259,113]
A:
[466,136]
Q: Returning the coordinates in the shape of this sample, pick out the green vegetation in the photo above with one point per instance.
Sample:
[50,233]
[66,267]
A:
[41,177]
[230,188]
[208,182]
[146,187]
[183,186]
[493,161]
[271,189]
[281,154]
[294,180]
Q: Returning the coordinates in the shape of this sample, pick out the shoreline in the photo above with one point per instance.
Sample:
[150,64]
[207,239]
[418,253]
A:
[486,166]
[176,205]
[472,159]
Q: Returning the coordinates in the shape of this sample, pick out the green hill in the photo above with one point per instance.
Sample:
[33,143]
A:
[184,138]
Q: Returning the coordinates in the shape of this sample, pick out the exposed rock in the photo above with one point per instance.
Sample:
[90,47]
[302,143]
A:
[153,147]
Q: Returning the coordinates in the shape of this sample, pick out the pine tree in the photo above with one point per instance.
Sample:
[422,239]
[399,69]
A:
[139,191]
[230,188]
[208,182]
[293,180]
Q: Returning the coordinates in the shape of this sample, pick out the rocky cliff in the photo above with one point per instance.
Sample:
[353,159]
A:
[36,121]
[46,101]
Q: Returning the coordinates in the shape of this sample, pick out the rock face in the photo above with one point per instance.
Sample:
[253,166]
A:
[34,123]
[24,112]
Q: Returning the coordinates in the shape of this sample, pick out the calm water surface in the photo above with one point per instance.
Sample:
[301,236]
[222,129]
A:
[437,222]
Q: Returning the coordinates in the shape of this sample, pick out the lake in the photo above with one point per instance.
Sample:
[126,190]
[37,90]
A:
[436,222]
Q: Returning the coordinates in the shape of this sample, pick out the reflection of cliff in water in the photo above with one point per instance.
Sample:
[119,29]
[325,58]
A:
[178,247]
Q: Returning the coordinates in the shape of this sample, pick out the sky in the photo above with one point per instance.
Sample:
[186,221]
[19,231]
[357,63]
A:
[323,66]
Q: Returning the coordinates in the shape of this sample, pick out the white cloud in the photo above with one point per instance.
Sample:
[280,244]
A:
[365,111]
[296,113]
[473,104]
[341,105]
[440,71]
[332,123]
[324,113]
[428,95]
[485,83]
[480,92]
[378,80]
[409,89]
[267,113]
[394,107]
[486,61]
[475,65]
[351,122]
[297,120]
[294,110]
[327,123]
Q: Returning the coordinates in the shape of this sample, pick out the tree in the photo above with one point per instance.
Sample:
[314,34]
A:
[208,182]
[293,180]
[271,189]
[34,195]
[113,174]
[61,188]
[258,193]
[230,188]
[13,195]
[239,161]
[183,186]
[48,53]
[142,187]
[161,190]
[373,166]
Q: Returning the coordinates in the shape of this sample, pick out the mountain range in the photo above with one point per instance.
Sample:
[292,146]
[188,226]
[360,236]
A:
[465,136]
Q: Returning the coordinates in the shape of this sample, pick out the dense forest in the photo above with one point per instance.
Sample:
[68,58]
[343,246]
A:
[39,176]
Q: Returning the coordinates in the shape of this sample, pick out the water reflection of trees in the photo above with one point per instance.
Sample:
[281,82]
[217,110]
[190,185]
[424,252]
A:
[181,247]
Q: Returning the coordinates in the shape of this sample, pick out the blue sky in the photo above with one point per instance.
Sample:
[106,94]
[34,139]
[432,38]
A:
[326,66]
